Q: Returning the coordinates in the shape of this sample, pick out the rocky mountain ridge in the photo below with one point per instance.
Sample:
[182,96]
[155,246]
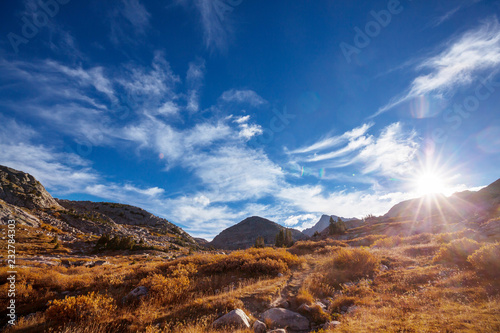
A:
[25,199]
[324,222]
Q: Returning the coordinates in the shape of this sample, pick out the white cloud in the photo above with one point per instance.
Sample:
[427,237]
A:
[168,108]
[129,20]
[136,14]
[314,199]
[215,20]
[391,153]
[194,80]
[247,131]
[242,119]
[155,82]
[243,96]
[457,65]
[296,219]
[332,141]
[56,170]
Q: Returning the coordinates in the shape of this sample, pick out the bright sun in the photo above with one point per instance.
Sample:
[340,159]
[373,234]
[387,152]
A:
[429,183]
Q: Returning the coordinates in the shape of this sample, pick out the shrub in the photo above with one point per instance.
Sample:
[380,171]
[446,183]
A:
[394,241]
[456,252]
[342,302]
[316,314]
[83,307]
[365,241]
[387,242]
[350,264]
[304,296]
[308,246]
[449,236]
[169,289]
[486,261]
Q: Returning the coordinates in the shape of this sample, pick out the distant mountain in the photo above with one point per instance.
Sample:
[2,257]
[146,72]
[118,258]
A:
[324,222]
[24,199]
[481,205]
[244,234]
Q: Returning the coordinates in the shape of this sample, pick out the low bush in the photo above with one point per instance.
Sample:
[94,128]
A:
[390,242]
[456,252]
[365,241]
[168,289]
[342,302]
[308,246]
[250,262]
[304,296]
[449,236]
[421,250]
[79,308]
[350,264]
[486,260]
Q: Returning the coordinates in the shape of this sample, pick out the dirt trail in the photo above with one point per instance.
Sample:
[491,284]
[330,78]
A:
[292,286]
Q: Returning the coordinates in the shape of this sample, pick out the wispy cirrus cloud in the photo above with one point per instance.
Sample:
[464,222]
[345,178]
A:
[332,141]
[129,18]
[461,61]
[243,96]
[194,80]
[216,21]
[391,152]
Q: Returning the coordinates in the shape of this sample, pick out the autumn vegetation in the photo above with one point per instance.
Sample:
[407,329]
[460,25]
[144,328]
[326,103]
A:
[375,283]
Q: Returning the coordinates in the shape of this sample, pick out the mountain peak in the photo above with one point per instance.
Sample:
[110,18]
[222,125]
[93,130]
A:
[243,234]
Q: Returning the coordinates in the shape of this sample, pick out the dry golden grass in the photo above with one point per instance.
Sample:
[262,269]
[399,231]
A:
[416,293]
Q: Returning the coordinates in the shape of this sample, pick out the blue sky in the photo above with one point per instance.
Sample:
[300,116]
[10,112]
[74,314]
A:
[206,112]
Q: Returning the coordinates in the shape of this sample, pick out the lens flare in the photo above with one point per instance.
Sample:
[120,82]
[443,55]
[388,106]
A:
[430,183]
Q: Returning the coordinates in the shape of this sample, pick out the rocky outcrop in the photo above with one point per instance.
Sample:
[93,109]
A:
[244,234]
[11,212]
[282,318]
[24,199]
[23,190]
[236,318]
[116,215]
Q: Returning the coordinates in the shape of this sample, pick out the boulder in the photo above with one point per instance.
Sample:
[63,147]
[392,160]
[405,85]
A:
[281,318]
[138,292]
[304,308]
[331,325]
[352,308]
[259,327]
[321,305]
[235,318]
[101,262]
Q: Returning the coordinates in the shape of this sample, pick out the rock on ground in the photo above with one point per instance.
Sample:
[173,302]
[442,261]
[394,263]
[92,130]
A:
[331,325]
[259,327]
[235,318]
[285,318]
